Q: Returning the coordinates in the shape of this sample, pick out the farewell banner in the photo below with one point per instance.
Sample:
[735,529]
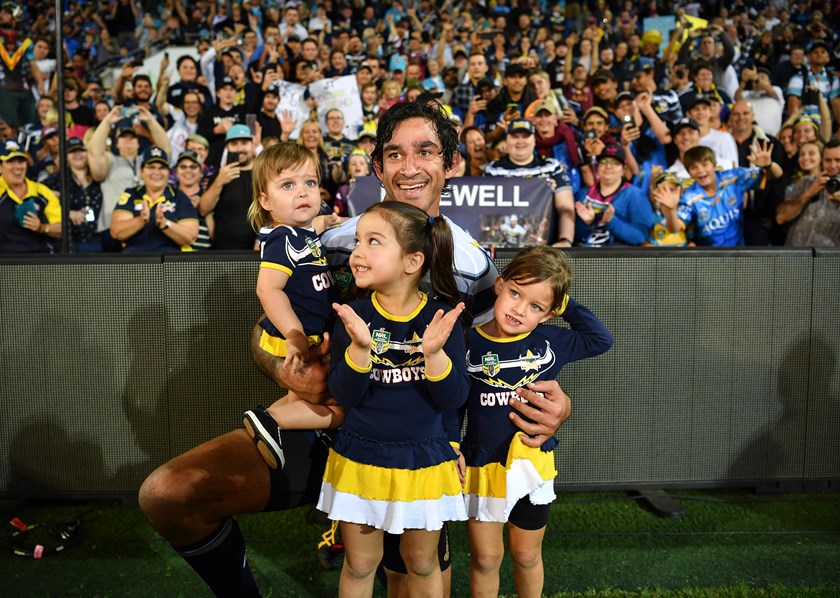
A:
[496,211]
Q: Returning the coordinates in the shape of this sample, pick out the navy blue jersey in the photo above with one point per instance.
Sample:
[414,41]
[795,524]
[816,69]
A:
[394,402]
[298,253]
[497,367]
[175,205]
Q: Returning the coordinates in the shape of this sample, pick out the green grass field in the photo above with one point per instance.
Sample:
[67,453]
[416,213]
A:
[727,544]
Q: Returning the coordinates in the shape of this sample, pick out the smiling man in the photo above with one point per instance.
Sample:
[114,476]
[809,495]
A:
[192,500]
[228,196]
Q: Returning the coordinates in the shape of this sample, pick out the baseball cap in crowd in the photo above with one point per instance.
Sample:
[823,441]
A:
[238,132]
[188,155]
[10,149]
[154,154]
[49,132]
[602,76]
[398,63]
[520,125]
[124,127]
[273,89]
[366,132]
[198,139]
[516,70]
[817,43]
[74,144]
[614,151]
[596,110]
[763,69]
[665,177]
[223,82]
[682,123]
[700,98]
[643,64]
[542,105]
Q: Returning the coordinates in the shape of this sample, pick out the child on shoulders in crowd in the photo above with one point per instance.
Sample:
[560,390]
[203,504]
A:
[665,190]
[711,208]
[506,481]
[398,368]
[294,285]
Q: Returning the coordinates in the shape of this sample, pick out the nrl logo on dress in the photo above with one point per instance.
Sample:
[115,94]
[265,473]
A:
[343,278]
[381,340]
[490,364]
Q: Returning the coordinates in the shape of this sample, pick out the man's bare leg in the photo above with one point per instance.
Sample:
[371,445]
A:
[191,501]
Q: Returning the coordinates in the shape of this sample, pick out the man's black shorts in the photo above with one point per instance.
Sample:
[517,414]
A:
[392,560]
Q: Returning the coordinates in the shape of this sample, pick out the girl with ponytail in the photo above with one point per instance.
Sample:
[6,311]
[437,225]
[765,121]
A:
[398,370]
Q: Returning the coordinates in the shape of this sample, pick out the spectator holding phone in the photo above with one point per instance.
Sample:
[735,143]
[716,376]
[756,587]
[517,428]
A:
[216,122]
[476,115]
[613,212]
[511,101]
[117,172]
[229,195]
[813,203]
[464,92]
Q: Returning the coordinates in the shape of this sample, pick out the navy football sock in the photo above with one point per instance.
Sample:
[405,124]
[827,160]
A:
[221,561]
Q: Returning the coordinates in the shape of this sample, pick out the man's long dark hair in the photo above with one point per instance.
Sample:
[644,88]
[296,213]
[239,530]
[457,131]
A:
[429,111]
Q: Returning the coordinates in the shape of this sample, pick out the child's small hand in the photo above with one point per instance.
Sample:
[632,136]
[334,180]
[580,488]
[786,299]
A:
[437,332]
[297,351]
[668,195]
[356,328]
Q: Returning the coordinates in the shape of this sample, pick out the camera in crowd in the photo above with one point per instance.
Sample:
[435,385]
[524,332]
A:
[811,96]
[832,185]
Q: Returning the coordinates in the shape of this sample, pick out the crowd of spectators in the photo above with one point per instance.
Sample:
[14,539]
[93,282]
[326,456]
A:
[721,131]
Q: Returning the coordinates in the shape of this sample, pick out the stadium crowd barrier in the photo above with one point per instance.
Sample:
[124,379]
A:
[724,370]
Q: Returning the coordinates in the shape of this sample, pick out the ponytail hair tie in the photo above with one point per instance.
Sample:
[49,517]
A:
[431,220]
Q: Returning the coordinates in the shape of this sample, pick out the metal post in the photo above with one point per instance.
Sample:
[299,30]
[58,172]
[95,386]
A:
[66,246]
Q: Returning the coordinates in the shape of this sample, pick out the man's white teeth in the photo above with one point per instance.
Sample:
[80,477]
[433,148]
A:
[411,187]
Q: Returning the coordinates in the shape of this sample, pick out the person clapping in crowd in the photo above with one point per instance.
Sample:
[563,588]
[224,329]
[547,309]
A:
[154,216]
